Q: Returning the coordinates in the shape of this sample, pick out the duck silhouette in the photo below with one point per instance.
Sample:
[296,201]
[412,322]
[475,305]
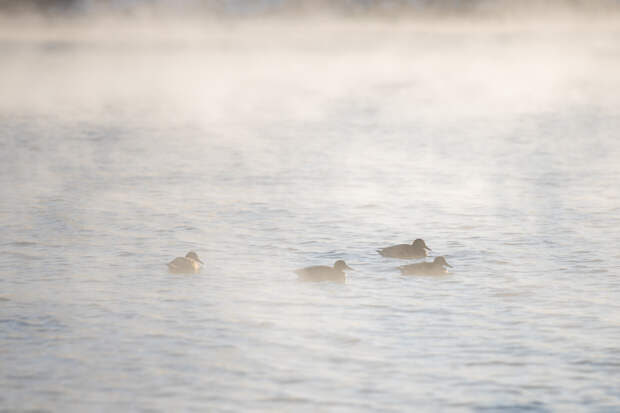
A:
[426,268]
[324,273]
[416,250]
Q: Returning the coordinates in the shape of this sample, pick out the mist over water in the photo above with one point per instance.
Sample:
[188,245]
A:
[269,144]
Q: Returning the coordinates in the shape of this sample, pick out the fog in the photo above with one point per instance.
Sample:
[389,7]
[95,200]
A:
[244,81]
[199,69]
[244,84]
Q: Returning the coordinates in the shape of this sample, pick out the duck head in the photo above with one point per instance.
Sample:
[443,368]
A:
[420,244]
[441,261]
[341,266]
[193,256]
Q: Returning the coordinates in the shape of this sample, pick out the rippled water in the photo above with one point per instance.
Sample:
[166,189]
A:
[268,148]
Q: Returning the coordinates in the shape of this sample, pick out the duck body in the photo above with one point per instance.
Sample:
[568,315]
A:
[318,273]
[190,264]
[437,267]
[406,251]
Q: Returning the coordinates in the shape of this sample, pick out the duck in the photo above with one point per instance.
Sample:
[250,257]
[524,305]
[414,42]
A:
[319,273]
[426,268]
[416,250]
[189,264]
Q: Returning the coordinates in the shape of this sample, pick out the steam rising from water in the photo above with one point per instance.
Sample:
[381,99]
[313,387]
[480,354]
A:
[203,71]
[229,79]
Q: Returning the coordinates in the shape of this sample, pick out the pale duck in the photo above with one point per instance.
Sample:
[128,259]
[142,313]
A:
[185,265]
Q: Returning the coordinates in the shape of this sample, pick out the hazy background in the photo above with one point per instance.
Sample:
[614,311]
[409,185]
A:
[341,7]
[271,135]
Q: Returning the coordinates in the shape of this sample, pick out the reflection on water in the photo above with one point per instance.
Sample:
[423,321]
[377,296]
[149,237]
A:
[266,148]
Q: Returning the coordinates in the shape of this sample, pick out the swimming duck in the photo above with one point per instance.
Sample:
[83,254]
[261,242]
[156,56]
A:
[185,265]
[426,268]
[324,273]
[416,250]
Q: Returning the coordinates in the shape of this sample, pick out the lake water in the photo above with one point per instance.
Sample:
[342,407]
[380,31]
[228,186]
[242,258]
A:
[269,146]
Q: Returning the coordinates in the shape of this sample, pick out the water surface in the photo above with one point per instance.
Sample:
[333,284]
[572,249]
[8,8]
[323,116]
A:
[266,148]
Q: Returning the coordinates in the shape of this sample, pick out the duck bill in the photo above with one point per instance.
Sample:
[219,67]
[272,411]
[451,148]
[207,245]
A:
[448,265]
[346,267]
[198,259]
[428,248]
